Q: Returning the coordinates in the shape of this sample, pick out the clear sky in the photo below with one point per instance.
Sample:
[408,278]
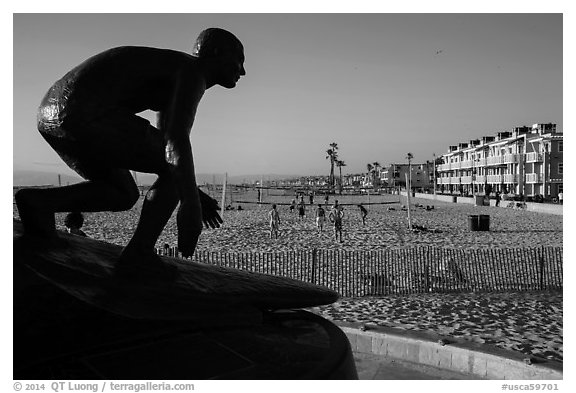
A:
[379,85]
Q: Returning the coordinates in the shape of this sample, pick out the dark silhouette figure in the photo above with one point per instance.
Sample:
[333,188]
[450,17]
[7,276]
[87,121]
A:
[89,118]
[301,210]
[363,214]
[73,222]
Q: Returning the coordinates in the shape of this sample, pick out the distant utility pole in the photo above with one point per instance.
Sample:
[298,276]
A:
[409,156]
[434,176]
[135,177]
[368,199]
[224,194]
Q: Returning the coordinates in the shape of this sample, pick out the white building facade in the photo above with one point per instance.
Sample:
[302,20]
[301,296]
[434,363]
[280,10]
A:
[526,161]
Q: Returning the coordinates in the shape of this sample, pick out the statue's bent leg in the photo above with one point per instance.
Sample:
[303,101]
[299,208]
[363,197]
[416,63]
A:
[159,204]
[102,151]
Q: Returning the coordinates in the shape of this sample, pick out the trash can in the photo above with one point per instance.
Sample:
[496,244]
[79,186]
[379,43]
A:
[478,200]
[454,199]
[473,222]
[483,222]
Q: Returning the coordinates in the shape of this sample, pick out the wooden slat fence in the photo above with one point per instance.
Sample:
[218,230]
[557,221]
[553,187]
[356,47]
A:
[403,271]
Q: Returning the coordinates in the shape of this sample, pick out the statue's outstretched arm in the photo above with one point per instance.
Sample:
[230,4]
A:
[210,208]
[176,123]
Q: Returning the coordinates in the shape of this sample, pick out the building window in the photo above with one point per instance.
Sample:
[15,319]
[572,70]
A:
[560,147]
[560,168]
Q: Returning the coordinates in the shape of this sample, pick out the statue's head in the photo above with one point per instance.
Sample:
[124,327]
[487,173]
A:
[225,53]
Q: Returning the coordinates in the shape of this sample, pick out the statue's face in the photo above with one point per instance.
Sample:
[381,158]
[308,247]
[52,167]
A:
[231,68]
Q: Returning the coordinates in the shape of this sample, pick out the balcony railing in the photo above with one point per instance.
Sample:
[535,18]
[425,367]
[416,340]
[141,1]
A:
[495,179]
[534,157]
[534,178]
[466,179]
[491,161]
[480,179]
[510,158]
[511,178]
[495,160]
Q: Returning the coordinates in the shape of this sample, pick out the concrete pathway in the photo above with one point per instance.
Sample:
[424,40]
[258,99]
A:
[375,367]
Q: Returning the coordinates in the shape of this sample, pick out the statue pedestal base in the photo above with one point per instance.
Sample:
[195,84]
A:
[57,336]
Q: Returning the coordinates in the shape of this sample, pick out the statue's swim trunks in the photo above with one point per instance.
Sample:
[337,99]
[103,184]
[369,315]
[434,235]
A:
[93,138]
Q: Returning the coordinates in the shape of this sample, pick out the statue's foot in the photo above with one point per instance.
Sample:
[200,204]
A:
[134,264]
[38,222]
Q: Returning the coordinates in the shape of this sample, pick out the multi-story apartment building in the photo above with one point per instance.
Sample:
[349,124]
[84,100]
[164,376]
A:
[395,175]
[353,180]
[526,161]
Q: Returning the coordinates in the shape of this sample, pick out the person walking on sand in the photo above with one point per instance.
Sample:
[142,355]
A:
[274,217]
[73,222]
[320,217]
[335,205]
[498,198]
[301,210]
[363,213]
[90,118]
[292,205]
[336,216]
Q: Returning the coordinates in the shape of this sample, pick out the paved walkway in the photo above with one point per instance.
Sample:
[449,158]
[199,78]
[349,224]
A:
[530,323]
[374,367]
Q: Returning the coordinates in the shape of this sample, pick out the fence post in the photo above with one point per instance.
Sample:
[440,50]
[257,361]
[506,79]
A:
[541,270]
[313,279]
[427,258]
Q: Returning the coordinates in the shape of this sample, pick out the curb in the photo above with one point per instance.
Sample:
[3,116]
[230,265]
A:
[482,360]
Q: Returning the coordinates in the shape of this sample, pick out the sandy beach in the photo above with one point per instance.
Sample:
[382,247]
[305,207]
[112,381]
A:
[528,322]
[386,226]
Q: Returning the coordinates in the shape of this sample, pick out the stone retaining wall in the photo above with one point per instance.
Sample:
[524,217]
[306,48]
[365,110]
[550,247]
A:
[545,208]
[463,358]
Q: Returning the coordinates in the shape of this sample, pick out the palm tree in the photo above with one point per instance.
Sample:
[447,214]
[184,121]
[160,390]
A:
[340,164]
[332,154]
[376,172]
[369,168]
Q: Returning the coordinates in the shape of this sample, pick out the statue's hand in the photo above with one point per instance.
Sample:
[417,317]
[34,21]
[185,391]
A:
[210,208]
[189,221]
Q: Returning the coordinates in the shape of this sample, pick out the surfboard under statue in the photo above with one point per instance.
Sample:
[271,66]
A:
[86,269]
